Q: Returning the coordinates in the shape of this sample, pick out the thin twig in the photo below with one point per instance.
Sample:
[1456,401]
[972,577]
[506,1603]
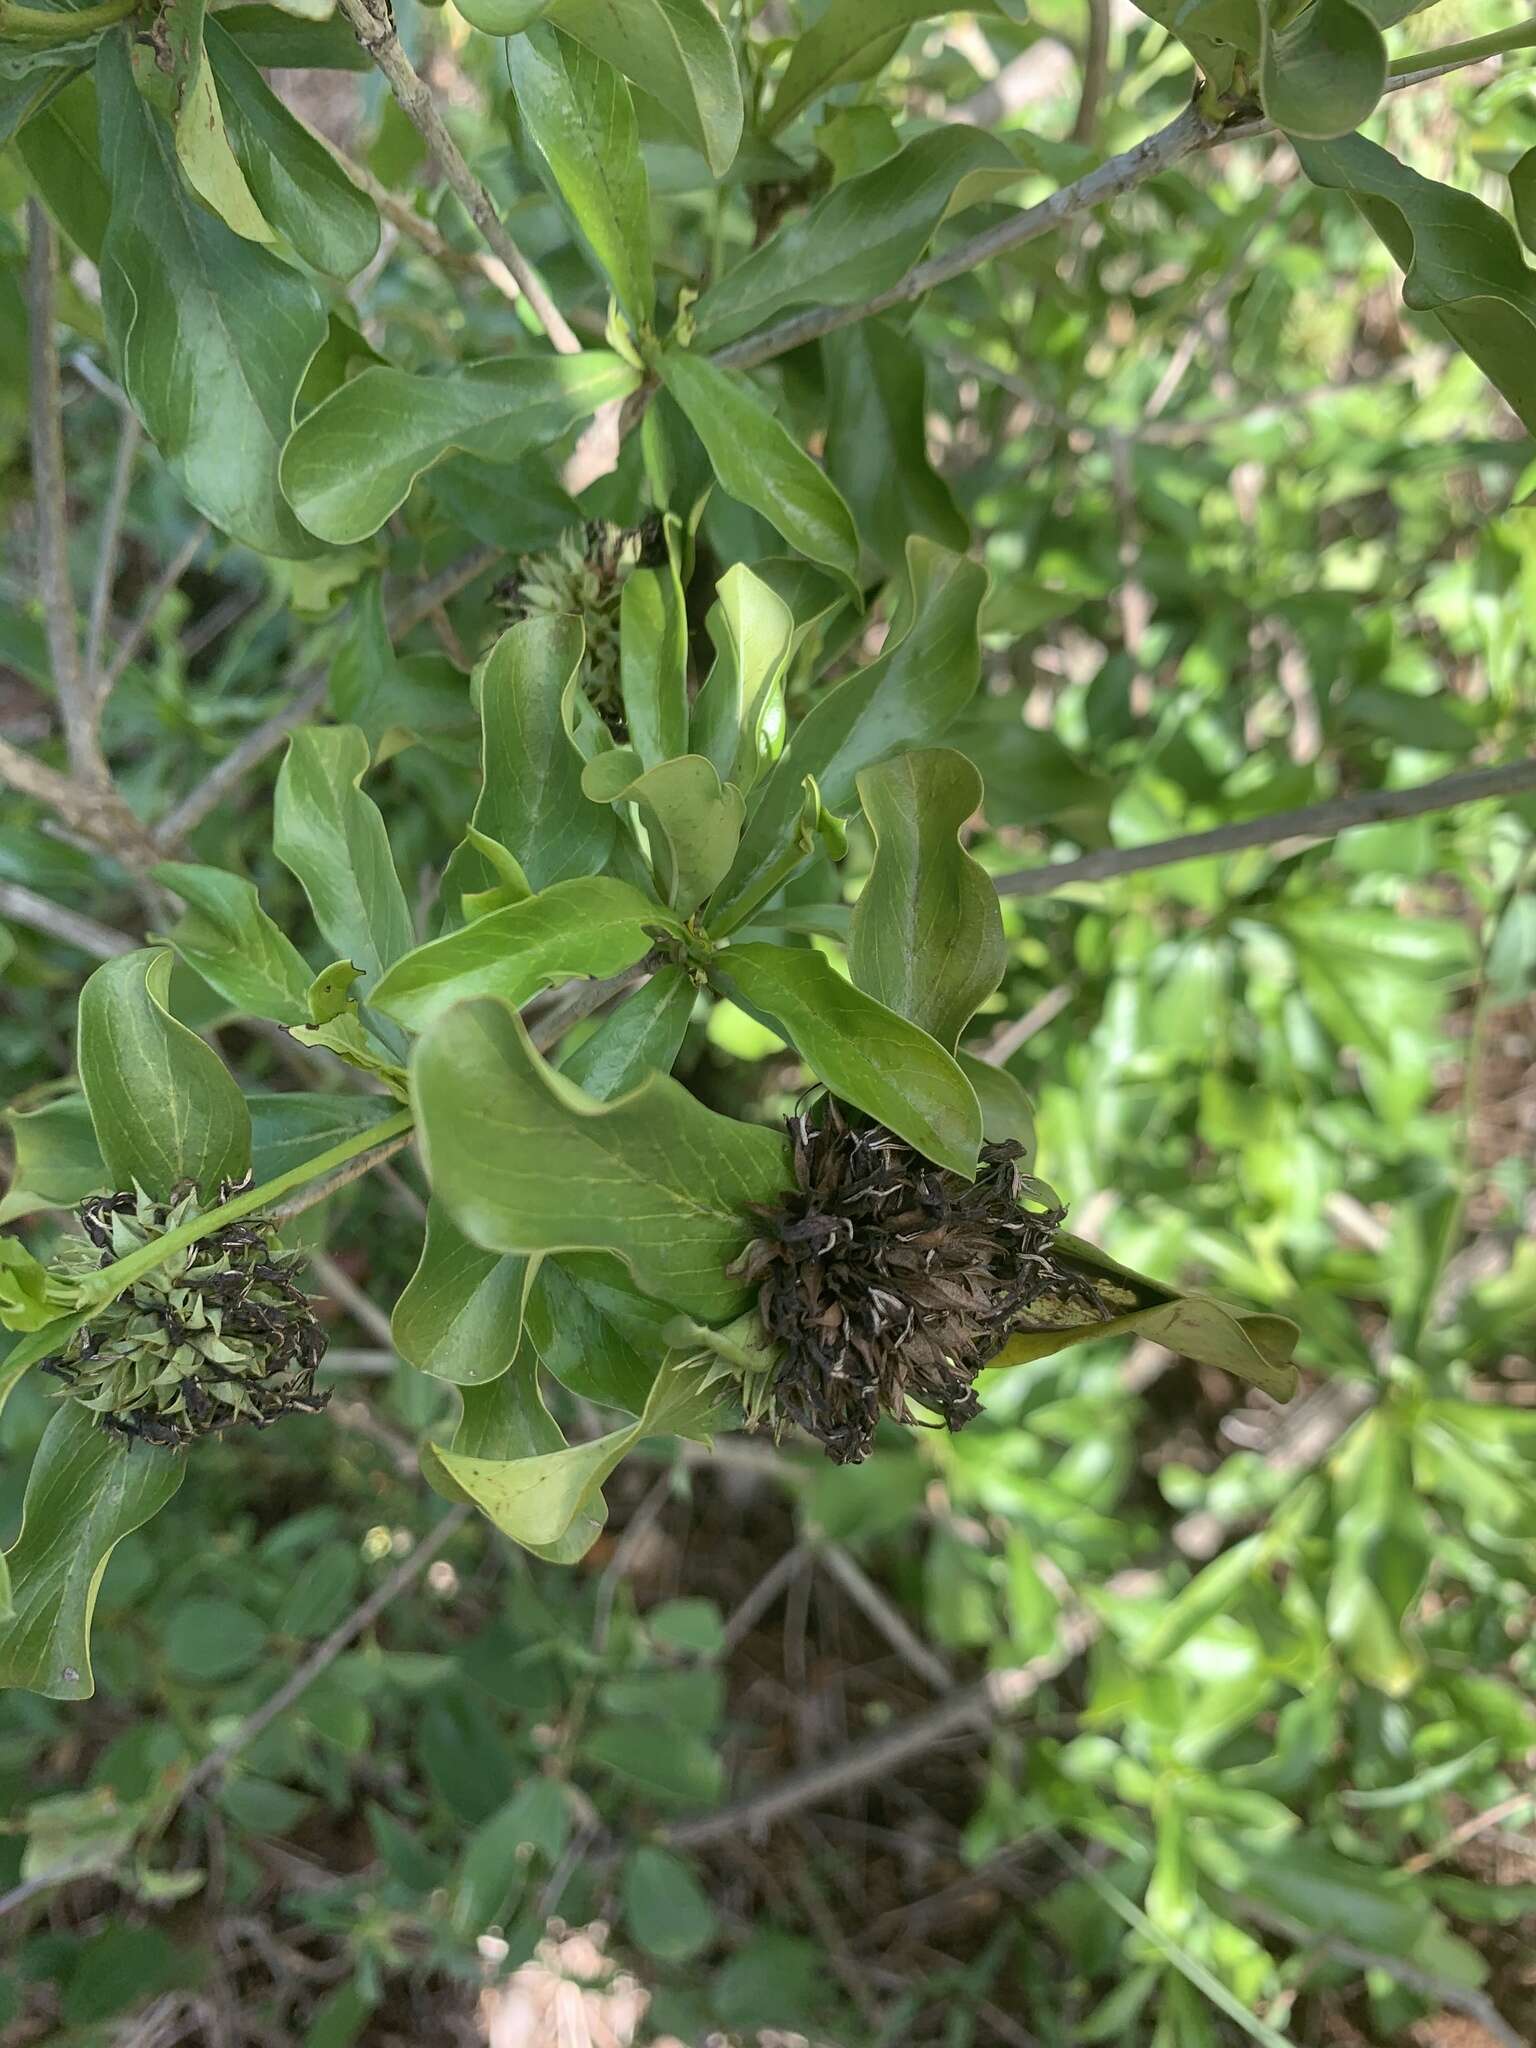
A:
[317,1191]
[1307,822]
[1479,1824]
[867,1596]
[374,27]
[785,1568]
[25,906]
[1002,1046]
[217,1761]
[129,437]
[344,1290]
[154,597]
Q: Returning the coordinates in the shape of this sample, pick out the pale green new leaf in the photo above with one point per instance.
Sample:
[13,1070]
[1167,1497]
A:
[927,937]
[329,834]
[1323,70]
[525,1162]
[225,936]
[163,1105]
[214,386]
[674,50]
[352,461]
[694,819]
[86,1491]
[594,926]
[738,716]
[578,111]
[653,664]
[865,1053]
[760,462]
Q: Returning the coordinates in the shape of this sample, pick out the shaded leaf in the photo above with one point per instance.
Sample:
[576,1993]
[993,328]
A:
[694,819]
[225,936]
[170,68]
[460,1317]
[675,50]
[1323,70]
[877,442]
[653,664]
[329,834]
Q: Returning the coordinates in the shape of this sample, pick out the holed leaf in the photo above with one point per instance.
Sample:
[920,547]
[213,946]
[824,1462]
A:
[163,1105]
[525,1162]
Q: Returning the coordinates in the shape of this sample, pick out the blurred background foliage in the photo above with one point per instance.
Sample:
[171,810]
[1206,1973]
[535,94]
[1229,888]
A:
[1256,539]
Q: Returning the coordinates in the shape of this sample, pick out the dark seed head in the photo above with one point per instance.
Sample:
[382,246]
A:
[886,1281]
[220,1334]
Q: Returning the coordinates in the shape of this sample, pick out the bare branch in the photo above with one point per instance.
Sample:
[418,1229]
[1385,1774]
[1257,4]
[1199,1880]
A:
[154,597]
[25,906]
[345,1292]
[94,815]
[1308,822]
[1095,72]
[867,1596]
[107,545]
[373,23]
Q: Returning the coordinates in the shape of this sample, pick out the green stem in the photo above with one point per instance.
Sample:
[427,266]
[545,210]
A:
[61,25]
[1521,37]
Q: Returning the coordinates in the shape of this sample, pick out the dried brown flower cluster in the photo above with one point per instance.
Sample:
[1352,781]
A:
[221,1333]
[885,1280]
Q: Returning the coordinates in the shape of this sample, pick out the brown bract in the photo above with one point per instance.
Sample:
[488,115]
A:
[885,1280]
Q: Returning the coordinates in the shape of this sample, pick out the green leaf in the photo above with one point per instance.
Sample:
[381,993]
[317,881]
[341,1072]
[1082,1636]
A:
[1007,1113]
[694,819]
[214,387]
[665,1908]
[592,1331]
[535,1500]
[352,461]
[864,1052]
[877,442]
[163,1105]
[395,701]
[56,1160]
[273,39]
[461,1315]
[210,1639]
[170,68]
[577,109]
[1461,260]
[639,1036]
[288,1129]
[862,237]
[759,462]
[594,926]
[738,716]
[653,664]
[525,1162]
[927,936]
[27,1301]
[59,148]
[86,1491]
[298,184]
[925,675]
[1323,71]
[1522,190]
[225,936]
[503,17]
[675,50]
[330,835]
[1218,34]
[852,39]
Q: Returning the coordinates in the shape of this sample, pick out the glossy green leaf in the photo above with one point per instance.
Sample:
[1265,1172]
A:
[924,676]
[738,716]
[578,111]
[862,237]
[86,1491]
[851,39]
[225,936]
[639,1036]
[525,1162]
[214,387]
[504,1424]
[329,834]
[1522,191]
[675,50]
[1461,260]
[60,150]
[1322,70]
[164,1108]
[299,186]
[1007,1114]
[877,442]
[593,1332]
[759,462]
[594,926]
[694,819]
[56,1161]
[460,1317]
[171,69]
[653,664]
[352,461]
[503,17]
[865,1053]
[927,930]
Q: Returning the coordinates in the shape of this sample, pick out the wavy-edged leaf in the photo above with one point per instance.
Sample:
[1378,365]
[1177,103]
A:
[353,460]
[577,109]
[329,834]
[927,937]
[693,817]
[738,717]
[864,1052]
[301,189]
[759,462]
[677,52]
[1461,260]
[460,1317]
[170,68]
[525,1162]
[877,442]
[86,1491]
[594,926]
[1321,73]
[864,235]
[163,1105]
[214,387]
[225,936]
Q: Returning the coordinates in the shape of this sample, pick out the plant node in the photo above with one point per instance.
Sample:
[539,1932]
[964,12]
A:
[585,573]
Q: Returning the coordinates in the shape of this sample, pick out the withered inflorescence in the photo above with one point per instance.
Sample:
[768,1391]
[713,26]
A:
[220,1334]
[885,1280]
[585,574]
